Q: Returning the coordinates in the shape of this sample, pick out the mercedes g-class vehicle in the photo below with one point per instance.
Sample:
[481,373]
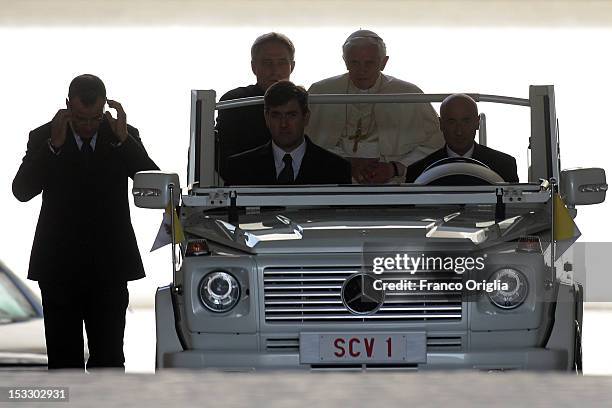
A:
[397,276]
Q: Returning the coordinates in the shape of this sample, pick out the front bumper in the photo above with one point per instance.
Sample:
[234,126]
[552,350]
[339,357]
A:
[523,359]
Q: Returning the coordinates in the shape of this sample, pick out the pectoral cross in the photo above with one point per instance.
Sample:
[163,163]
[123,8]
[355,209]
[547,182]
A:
[357,136]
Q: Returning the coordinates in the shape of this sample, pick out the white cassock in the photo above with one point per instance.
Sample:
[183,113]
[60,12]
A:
[398,132]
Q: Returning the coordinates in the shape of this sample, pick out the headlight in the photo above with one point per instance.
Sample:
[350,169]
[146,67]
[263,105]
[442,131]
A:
[219,291]
[514,288]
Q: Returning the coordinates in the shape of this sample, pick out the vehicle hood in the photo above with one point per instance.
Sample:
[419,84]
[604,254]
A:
[349,229]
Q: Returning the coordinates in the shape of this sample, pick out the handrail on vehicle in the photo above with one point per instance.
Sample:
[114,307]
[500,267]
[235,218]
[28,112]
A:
[377,98]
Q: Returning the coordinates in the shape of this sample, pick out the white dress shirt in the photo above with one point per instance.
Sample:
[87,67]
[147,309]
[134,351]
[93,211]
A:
[297,155]
[79,140]
[468,154]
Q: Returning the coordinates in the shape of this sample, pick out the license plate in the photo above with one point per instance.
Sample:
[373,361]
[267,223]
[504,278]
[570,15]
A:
[362,348]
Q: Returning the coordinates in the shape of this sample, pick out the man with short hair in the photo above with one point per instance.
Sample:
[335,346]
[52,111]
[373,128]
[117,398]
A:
[290,157]
[241,129]
[84,248]
[380,140]
[459,121]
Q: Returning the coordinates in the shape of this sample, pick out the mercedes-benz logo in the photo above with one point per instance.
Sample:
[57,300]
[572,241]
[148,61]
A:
[359,295]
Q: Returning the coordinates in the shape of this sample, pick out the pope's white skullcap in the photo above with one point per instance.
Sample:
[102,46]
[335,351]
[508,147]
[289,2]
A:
[362,34]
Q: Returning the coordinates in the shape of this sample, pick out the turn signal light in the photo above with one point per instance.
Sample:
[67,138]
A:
[529,243]
[197,248]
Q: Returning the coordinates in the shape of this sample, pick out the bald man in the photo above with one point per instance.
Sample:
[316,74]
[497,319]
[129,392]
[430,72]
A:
[459,121]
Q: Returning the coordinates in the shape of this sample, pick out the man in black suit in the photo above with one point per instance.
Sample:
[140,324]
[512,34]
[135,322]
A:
[84,249]
[459,121]
[242,129]
[290,157]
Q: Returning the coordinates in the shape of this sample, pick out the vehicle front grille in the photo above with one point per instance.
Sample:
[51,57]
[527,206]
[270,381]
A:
[444,343]
[313,295]
[282,344]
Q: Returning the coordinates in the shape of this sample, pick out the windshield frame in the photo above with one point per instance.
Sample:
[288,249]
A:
[543,141]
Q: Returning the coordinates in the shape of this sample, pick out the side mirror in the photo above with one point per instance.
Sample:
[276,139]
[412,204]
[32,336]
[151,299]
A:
[583,186]
[152,189]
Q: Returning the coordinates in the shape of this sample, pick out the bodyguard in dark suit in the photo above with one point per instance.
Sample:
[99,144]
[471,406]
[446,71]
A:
[459,121]
[290,157]
[84,249]
[244,128]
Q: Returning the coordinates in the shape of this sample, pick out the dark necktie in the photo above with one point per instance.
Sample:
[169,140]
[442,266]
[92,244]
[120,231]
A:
[86,149]
[286,174]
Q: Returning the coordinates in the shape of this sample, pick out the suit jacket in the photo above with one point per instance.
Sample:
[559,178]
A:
[240,129]
[256,167]
[501,163]
[84,228]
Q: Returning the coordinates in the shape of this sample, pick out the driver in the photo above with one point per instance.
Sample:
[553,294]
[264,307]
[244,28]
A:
[459,121]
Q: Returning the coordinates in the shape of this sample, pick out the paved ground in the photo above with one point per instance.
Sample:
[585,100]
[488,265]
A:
[208,389]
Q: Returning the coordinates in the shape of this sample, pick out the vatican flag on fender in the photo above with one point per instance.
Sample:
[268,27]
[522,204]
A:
[164,235]
[566,232]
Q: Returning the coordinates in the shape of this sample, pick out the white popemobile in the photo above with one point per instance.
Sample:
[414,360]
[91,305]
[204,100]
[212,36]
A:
[283,277]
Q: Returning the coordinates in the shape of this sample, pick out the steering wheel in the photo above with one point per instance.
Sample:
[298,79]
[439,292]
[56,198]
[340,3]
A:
[458,171]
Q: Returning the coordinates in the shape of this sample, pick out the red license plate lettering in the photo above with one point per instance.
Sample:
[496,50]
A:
[360,347]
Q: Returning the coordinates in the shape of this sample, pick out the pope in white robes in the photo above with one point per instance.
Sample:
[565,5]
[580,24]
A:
[380,140]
